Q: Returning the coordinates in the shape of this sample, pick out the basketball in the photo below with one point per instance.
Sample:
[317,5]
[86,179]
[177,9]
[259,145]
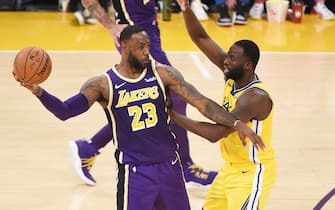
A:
[32,65]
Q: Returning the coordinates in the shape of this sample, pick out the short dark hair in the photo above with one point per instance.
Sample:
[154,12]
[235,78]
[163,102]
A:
[128,31]
[250,49]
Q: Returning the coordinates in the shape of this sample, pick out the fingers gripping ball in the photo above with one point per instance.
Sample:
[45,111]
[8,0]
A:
[32,65]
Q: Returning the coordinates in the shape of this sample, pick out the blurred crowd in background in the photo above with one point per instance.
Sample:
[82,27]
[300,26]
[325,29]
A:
[228,12]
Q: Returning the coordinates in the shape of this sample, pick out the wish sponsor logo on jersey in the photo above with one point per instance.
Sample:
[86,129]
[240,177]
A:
[125,97]
[151,79]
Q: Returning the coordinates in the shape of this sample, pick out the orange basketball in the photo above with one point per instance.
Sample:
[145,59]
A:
[32,65]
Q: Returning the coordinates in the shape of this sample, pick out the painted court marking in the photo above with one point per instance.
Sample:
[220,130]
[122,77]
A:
[200,66]
[324,200]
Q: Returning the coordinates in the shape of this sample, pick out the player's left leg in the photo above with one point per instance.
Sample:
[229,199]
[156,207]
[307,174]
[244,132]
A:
[172,194]
[216,198]
[249,186]
[137,187]
[83,153]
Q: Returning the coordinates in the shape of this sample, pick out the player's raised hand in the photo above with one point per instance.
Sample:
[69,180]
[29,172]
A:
[244,131]
[35,89]
[115,31]
[183,4]
[230,3]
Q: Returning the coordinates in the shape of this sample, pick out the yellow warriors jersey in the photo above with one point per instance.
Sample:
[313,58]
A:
[232,149]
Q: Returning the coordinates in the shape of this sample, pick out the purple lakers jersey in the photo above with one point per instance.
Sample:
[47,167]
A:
[142,13]
[135,12]
[138,115]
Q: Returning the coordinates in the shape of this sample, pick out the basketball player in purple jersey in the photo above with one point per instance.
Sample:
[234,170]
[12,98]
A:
[141,13]
[134,95]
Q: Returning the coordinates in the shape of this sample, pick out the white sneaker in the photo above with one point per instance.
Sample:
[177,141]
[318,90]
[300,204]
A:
[79,17]
[88,18]
[83,17]
[323,11]
[256,11]
[198,9]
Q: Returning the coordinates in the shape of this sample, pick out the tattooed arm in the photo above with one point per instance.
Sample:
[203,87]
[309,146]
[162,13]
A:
[186,91]
[210,131]
[95,89]
[173,80]
[100,14]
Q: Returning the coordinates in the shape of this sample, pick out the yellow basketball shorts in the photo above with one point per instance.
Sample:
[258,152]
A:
[241,187]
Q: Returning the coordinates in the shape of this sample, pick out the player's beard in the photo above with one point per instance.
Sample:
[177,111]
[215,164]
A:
[235,74]
[134,62]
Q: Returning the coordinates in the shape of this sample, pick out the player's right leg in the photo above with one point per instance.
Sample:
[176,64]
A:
[83,153]
[136,187]
[158,186]
[216,198]
[241,186]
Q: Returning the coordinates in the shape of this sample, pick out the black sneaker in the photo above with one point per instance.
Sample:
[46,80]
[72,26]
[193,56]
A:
[174,7]
[158,5]
[241,11]
[240,19]
[224,18]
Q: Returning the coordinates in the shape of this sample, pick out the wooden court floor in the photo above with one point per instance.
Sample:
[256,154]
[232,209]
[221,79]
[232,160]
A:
[36,172]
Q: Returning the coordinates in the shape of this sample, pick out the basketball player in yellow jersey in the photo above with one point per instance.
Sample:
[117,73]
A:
[248,175]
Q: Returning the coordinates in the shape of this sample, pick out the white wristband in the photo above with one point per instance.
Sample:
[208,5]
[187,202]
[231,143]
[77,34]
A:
[236,122]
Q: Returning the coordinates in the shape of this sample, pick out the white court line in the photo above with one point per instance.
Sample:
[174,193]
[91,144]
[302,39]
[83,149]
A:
[200,66]
[193,54]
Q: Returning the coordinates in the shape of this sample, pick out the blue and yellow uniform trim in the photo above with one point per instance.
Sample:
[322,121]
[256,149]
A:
[248,175]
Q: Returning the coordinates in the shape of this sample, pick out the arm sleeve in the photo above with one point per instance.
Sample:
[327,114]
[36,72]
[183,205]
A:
[73,106]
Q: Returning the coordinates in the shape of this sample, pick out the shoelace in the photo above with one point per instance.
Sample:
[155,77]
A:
[88,162]
[195,168]
[198,171]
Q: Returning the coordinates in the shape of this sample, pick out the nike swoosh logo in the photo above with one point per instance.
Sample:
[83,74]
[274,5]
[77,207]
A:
[174,161]
[120,85]
[244,171]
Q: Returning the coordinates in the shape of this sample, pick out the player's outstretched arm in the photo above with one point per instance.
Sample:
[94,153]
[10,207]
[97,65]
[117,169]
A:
[210,109]
[96,89]
[96,10]
[231,4]
[200,37]
[75,105]
[254,104]
[210,131]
